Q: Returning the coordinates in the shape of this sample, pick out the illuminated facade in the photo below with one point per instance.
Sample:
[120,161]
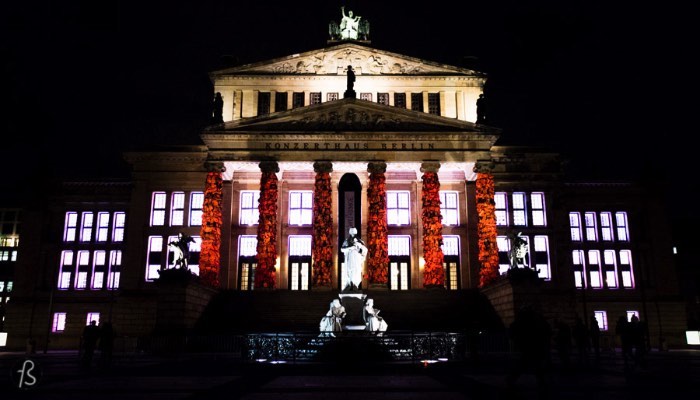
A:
[270,194]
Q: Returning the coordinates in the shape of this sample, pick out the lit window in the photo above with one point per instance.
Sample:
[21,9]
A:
[196,204]
[450,249]
[119,221]
[398,212]
[249,207]
[621,222]
[383,98]
[315,98]
[299,262]
[195,251]
[434,103]
[115,264]
[631,314]
[177,209]
[450,245]
[537,206]
[81,278]
[399,248]
[13,257]
[9,286]
[594,269]
[579,268]
[503,245]
[71,226]
[606,226]
[366,96]
[99,269]
[626,271]
[300,207]
[154,258]
[501,200]
[300,245]
[2,286]
[610,267]
[602,318]
[158,209]
[66,269]
[575,224]
[541,257]
[519,213]
[86,227]
[59,322]
[591,232]
[449,208]
[249,246]
[93,316]
[332,96]
[102,227]
[399,245]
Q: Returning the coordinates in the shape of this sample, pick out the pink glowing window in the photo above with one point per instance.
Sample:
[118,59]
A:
[118,229]
[501,200]
[102,227]
[540,258]
[86,226]
[93,316]
[591,229]
[115,264]
[606,232]
[71,226]
[154,257]
[610,268]
[81,278]
[249,207]
[519,212]
[158,209]
[575,225]
[626,270]
[579,262]
[398,209]
[99,269]
[594,276]
[59,322]
[65,270]
[300,207]
[449,207]
[621,222]
[602,318]
[196,204]
[537,209]
[177,209]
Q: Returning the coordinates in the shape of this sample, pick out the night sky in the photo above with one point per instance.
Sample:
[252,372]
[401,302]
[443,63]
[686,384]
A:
[598,81]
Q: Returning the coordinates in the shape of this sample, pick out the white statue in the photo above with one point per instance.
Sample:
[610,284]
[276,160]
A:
[181,250]
[373,321]
[349,25]
[333,320]
[355,252]
[518,251]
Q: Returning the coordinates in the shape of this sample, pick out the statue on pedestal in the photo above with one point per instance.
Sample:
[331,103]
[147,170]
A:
[373,321]
[355,252]
[181,250]
[333,320]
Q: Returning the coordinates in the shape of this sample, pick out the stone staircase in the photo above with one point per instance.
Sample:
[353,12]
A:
[301,311]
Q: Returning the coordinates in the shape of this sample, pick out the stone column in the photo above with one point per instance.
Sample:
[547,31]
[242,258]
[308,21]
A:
[434,270]
[377,239]
[486,211]
[265,273]
[322,239]
[212,220]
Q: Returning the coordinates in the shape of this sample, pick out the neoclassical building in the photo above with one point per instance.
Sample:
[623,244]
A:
[300,154]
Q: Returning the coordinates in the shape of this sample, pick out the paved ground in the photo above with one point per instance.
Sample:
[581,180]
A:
[669,375]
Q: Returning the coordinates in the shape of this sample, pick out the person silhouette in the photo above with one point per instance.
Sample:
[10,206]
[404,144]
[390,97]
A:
[218,109]
[91,334]
[594,329]
[531,336]
[481,109]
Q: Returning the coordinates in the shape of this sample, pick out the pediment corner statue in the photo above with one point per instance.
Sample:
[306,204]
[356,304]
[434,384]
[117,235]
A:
[351,27]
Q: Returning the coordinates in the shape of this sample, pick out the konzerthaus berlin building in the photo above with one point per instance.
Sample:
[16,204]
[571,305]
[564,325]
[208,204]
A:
[303,153]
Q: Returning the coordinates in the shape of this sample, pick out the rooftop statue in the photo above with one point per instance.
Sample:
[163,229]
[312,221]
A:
[351,27]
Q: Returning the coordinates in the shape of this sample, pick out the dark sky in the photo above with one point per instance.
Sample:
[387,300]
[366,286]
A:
[598,81]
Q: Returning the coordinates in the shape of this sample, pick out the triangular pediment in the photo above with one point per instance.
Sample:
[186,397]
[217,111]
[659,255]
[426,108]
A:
[334,60]
[351,115]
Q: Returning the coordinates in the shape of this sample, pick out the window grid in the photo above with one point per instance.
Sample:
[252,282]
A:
[434,103]
[501,200]
[417,102]
[537,209]
[398,212]
[366,96]
[158,209]
[196,204]
[606,232]
[519,211]
[594,276]
[118,230]
[621,221]
[610,268]
[249,207]
[93,316]
[400,100]
[99,269]
[66,270]
[578,260]
[177,209]
[71,226]
[59,322]
[591,230]
[541,256]
[281,101]
[383,98]
[263,103]
[300,207]
[86,227]
[315,98]
[154,257]
[333,96]
[297,99]
[115,262]
[449,207]
[83,268]
[102,227]
[503,245]
[602,317]
[575,224]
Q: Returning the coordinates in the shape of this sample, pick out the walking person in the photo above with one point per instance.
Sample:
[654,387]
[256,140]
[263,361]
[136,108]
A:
[91,335]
